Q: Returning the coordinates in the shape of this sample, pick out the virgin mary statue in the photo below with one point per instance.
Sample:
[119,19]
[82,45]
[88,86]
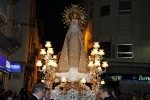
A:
[73,58]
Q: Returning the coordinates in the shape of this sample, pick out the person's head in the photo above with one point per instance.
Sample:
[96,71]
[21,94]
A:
[10,94]
[135,92]
[113,92]
[39,90]
[3,90]
[147,95]
[15,98]
[134,97]
[142,98]
[47,94]
[105,92]
[139,92]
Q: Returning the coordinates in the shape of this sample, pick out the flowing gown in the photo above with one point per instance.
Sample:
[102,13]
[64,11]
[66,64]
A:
[72,55]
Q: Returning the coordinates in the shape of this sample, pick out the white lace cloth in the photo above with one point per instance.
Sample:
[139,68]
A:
[72,94]
[73,75]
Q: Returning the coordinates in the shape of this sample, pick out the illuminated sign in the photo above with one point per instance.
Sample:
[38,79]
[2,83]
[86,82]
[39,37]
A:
[141,77]
[6,65]
[127,77]
[134,77]
[15,67]
[113,77]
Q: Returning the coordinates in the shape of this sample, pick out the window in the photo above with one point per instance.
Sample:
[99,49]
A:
[124,51]
[124,6]
[91,10]
[105,10]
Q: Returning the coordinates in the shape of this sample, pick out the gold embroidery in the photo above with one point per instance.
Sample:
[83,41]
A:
[72,54]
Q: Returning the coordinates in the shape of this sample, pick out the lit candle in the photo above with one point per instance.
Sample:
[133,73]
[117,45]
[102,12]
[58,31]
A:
[39,63]
[96,45]
[99,69]
[83,80]
[48,44]
[54,64]
[101,52]
[44,67]
[103,82]
[95,51]
[51,62]
[50,50]
[63,79]
[42,81]
[42,52]
[97,63]
[54,56]
[105,64]
[90,64]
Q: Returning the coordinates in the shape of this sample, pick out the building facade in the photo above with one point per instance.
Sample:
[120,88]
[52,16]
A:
[122,28]
[22,34]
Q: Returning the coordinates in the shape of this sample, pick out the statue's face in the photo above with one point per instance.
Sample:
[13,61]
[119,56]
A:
[74,15]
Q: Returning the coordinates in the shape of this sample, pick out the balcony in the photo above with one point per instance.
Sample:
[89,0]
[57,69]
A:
[8,45]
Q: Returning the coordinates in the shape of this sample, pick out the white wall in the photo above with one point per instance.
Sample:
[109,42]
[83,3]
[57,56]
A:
[15,84]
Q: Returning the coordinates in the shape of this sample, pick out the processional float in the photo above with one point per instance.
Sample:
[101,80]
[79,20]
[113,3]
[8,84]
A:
[74,68]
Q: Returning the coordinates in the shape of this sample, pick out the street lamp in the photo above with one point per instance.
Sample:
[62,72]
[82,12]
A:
[49,66]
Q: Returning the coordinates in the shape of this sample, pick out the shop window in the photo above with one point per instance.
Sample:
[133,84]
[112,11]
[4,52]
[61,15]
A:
[105,10]
[124,51]
[125,6]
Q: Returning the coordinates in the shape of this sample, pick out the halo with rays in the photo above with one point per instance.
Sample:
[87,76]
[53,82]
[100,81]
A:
[71,10]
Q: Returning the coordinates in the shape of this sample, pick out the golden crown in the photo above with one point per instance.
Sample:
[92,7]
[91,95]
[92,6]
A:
[74,12]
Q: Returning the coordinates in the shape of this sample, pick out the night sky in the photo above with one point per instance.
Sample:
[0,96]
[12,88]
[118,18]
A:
[50,11]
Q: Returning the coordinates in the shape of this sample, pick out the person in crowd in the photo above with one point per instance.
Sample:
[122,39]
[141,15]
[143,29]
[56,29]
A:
[142,98]
[10,95]
[146,96]
[47,94]
[2,95]
[123,96]
[15,96]
[27,95]
[135,92]
[98,95]
[139,93]
[106,93]
[113,92]
[134,97]
[6,94]
[21,95]
[37,92]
